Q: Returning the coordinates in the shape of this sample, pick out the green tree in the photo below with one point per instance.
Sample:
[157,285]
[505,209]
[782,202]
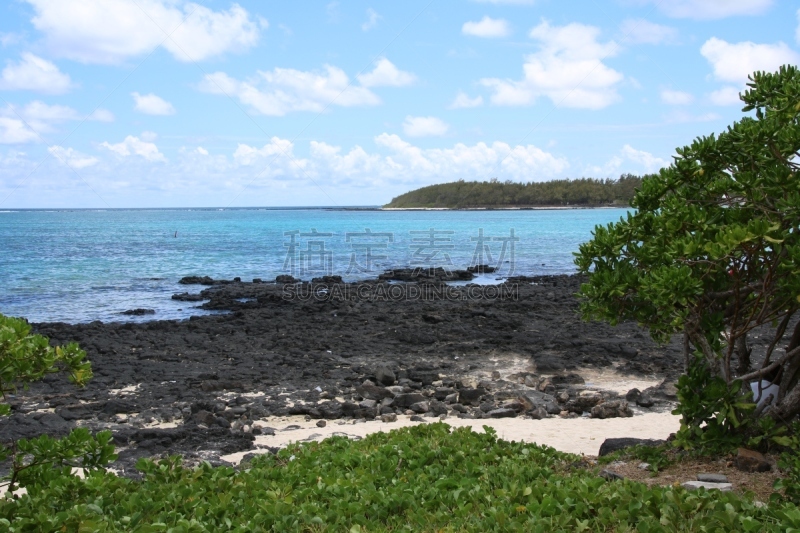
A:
[37,462]
[713,251]
[25,358]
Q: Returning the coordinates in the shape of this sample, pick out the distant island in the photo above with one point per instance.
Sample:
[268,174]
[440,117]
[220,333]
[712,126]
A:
[584,192]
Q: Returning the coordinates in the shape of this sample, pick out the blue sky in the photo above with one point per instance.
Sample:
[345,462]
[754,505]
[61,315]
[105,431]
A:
[161,103]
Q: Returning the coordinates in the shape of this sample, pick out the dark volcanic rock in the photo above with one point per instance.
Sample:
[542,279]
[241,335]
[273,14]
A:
[196,280]
[186,297]
[613,445]
[315,353]
[139,312]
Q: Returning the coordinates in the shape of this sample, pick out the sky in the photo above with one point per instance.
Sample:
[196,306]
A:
[169,103]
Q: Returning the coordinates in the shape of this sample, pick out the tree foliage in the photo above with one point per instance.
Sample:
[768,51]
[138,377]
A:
[466,194]
[713,251]
[25,358]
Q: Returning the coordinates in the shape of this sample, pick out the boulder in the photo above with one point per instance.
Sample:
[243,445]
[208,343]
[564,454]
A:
[751,461]
[407,400]
[373,392]
[612,409]
[385,376]
[471,396]
[613,445]
[420,407]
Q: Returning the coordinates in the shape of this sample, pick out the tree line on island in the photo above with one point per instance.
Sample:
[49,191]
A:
[585,192]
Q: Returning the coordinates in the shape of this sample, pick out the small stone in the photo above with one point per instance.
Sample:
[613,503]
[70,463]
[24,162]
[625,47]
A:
[712,478]
[694,485]
[643,466]
[417,418]
[495,375]
[389,417]
[321,423]
[609,475]
[451,398]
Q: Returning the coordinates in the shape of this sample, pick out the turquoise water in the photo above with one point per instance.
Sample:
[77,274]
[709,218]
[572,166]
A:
[84,265]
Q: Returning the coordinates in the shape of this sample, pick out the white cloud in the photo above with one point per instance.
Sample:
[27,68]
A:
[385,74]
[151,104]
[149,136]
[424,126]
[407,163]
[628,159]
[568,69]
[727,95]
[135,146]
[33,73]
[463,101]
[72,157]
[114,30]
[711,9]
[640,31]
[372,20]
[276,148]
[282,90]
[487,27]
[733,62]
[14,131]
[671,97]
[28,122]
[102,115]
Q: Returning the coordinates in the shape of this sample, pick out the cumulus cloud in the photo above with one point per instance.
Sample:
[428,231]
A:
[32,73]
[372,20]
[671,97]
[631,160]
[284,90]
[134,146]
[15,131]
[72,157]
[487,27]
[395,160]
[711,9]
[568,69]
[424,126]
[727,95]
[151,104]
[641,31]
[463,101]
[26,123]
[386,74]
[111,31]
[733,62]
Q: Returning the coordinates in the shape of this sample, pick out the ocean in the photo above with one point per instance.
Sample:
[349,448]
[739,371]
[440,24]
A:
[85,265]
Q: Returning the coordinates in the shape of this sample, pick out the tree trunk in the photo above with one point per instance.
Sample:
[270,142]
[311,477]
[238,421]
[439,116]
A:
[742,355]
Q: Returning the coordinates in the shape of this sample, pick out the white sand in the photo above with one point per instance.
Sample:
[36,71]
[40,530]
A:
[574,435]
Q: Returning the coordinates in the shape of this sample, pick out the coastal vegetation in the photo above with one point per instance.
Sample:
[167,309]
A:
[712,252]
[584,192]
[423,478]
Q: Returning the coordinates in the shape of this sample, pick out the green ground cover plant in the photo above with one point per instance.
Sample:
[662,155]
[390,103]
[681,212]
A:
[422,478]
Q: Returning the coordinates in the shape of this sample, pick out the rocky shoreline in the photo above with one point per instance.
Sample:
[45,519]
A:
[328,350]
